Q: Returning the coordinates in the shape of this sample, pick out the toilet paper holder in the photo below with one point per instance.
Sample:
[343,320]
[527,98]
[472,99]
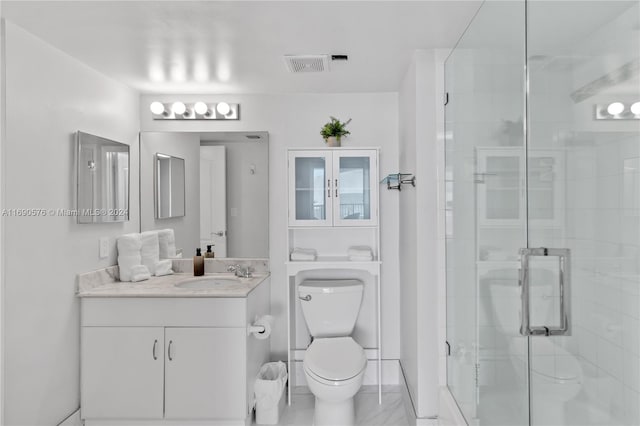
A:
[256,329]
[261,327]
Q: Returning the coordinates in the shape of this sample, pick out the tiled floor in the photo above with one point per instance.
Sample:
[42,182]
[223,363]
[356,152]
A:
[368,411]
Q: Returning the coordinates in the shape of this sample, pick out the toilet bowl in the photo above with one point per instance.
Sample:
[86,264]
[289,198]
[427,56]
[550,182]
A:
[334,363]
[555,375]
[334,369]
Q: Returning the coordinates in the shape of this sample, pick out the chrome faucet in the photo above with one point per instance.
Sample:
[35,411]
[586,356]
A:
[240,271]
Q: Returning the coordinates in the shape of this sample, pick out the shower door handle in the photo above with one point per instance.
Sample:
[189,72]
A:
[564,275]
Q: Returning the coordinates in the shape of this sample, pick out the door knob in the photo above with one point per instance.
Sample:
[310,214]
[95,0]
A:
[219,233]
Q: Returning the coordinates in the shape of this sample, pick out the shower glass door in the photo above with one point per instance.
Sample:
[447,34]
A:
[543,214]
[486,217]
[583,195]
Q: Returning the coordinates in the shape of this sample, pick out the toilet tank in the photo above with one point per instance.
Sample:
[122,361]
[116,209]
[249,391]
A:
[330,307]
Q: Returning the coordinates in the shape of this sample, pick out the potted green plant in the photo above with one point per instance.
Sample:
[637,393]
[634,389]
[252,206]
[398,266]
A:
[333,131]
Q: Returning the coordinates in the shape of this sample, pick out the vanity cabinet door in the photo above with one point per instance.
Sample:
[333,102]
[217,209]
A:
[122,372]
[205,373]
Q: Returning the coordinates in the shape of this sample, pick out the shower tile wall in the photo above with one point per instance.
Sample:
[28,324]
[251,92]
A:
[602,183]
[601,217]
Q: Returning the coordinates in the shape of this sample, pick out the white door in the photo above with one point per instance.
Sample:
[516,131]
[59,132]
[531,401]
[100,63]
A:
[122,372]
[310,188]
[355,188]
[213,199]
[205,373]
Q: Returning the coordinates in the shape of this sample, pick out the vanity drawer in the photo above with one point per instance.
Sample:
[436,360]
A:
[175,312]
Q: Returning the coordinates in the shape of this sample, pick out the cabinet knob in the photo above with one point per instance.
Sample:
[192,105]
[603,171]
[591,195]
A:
[169,350]
[155,343]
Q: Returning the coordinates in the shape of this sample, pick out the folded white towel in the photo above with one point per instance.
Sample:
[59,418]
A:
[163,267]
[167,241]
[300,256]
[303,254]
[139,273]
[359,251]
[150,250]
[129,245]
[361,258]
[125,265]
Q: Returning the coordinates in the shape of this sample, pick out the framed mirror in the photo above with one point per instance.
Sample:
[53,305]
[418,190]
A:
[169,186]
[102,179]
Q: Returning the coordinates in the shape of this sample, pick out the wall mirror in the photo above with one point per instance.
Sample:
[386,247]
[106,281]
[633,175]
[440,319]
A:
[102,179]
[227,197]
[169,186]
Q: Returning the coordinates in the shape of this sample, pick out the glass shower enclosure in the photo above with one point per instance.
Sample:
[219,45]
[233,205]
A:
[543,214]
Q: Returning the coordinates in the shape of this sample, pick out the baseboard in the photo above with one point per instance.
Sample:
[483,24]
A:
[448,412]
[72,420]
[390,373]
[410,408]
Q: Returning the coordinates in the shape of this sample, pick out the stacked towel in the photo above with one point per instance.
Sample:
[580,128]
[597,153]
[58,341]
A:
[360,253]
[303,254]
[163,267]
[150,250]
[128,254]
[139,273]
[167,241]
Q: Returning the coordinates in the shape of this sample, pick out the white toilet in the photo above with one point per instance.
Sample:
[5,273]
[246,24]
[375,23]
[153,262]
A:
[334,363]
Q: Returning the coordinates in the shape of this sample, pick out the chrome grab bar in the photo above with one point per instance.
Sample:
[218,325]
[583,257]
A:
[564,263]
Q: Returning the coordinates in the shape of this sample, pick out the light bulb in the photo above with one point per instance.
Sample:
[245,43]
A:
[178,108]
[223,108]
[201,108]
[156,108]
[615,108]
[635,108]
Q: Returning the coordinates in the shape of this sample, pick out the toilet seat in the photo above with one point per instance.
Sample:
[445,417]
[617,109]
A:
[335,358]
[546,367]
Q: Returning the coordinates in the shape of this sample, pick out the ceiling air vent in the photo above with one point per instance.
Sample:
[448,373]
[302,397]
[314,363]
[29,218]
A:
[307,63]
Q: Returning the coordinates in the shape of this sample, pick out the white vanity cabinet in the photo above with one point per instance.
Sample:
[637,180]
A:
[333,187]
[170,360]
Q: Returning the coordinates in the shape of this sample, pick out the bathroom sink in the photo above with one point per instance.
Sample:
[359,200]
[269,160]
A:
[209,282]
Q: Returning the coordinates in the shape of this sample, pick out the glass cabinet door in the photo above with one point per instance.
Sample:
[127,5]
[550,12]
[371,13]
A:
[310,188]
[500,180]
[354,183]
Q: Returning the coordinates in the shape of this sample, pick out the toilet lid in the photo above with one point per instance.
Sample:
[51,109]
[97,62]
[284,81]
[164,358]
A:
[335,358]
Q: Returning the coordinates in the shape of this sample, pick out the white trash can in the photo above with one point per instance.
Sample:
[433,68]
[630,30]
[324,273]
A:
[268,391]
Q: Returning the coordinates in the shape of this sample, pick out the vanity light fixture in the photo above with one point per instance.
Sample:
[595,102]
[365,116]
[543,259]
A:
[200,108]
[157,108]
[615,108]
[223,108]
[178,108]
[194,111]
[617,111]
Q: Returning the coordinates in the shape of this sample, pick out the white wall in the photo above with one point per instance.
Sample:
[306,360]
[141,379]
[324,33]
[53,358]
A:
[295,121]
[49,96]
[187,147]
[421,249]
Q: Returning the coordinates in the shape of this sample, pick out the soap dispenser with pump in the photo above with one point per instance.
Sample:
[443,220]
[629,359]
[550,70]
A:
[198,264]
[209,254]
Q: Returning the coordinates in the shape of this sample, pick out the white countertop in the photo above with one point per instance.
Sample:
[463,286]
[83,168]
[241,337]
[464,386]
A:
[167,286]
